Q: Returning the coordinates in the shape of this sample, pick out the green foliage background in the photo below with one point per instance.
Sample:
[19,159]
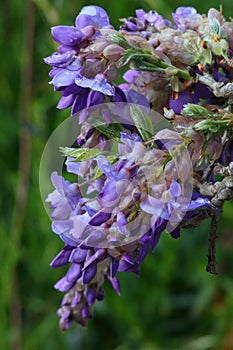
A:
[175,304]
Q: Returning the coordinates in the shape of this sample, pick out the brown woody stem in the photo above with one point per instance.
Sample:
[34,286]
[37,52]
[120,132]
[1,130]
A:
[211,266]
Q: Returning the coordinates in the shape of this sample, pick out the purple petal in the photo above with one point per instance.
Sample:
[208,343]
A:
[64,78]
[92,15]
[114,267]
[157,229]
[88,31]
[145,239]
[175,233]
[186,17]
[76,299]
[64,322]
[130,26]
[199,203]
[99,218]
[61,212]
[71,90]
[95,238]
[60,60]
[59,182]
[183,11]
[98,256]
[124,87]
[106,168]
[68,239]
[202,91]
[109,194]
[131,75]
[78,255]
[54,72]
[124,266]
[134,269]
[156,20]
[66,35]
[66,101]
[140,14]
[143,253]
[154,240]
[91,211]
[116,284]
[65,300]
[119,95]
[91,296]
[121,219]
[63,285]
[61,259]
[95,98]
[72,166]
[100,294]
[74,273]
[183,98]
[152,206]
[128,259]
[99,83]
[86,313]
[83,21]
[89,274]
[175,189]
[63,49]
[80,101]
[133,96]
[61,226]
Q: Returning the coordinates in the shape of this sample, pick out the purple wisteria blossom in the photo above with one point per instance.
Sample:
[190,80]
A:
[92,16]
[136,180]
[187,18]
[144,23]
[100,234]
[81,88]
[83,77]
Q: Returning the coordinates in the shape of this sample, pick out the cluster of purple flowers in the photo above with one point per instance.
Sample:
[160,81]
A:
[82,75]
[113,231]
[129,196]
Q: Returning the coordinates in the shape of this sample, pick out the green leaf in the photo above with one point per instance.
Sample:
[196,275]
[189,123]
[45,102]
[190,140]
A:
[142,122]
[195,111]
[215,27]
[112,131]
[202,125]
[206,56]
[145,66]
[133,54]
[206,142]
[119,39]
[218,177]
[136,55]
[175,83]
[212,125]
[142,61]
[81,154]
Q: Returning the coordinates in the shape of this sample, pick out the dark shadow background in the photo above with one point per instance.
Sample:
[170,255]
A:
[174,304]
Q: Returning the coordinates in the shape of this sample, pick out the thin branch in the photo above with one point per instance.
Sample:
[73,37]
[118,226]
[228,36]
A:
[211,266]
[218,89]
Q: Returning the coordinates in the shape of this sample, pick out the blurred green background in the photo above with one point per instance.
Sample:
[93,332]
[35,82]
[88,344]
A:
[174,304]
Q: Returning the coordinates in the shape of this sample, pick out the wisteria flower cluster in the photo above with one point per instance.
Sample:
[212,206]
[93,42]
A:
[134,180]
